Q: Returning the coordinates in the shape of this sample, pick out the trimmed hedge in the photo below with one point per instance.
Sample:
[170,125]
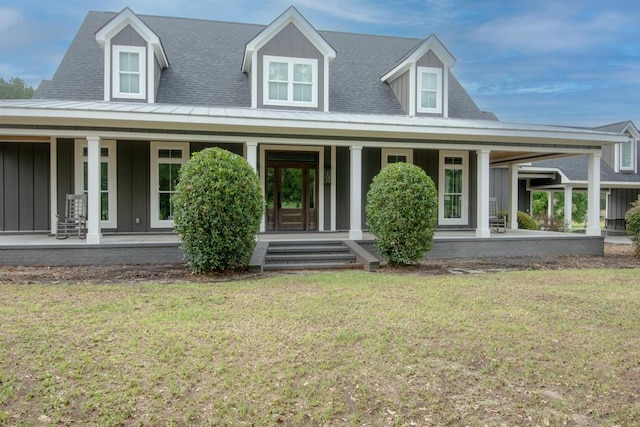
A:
[632,218]
[402,209]
[217,209]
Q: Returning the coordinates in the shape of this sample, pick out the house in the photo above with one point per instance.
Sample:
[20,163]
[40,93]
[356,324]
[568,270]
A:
[619,177]
[316,113]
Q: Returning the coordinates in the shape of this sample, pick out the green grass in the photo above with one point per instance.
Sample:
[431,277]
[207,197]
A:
[522,348]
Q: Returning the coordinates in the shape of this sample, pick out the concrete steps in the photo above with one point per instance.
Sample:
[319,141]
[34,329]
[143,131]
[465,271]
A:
[309,255]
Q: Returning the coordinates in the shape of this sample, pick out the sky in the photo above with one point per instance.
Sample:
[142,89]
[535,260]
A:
[571,63]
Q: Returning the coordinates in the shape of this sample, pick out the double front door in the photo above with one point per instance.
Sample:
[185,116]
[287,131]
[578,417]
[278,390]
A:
[292,191]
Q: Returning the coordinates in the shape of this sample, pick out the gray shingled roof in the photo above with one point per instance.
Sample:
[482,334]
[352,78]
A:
[613,127]
[206,59]
[576,169]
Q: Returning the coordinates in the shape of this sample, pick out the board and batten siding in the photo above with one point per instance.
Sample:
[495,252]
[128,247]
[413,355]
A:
[290,43]
[24,192]
[401,87]
[430,59]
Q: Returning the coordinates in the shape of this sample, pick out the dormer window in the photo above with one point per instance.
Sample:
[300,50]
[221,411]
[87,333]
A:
[129,72]
[627,155]
[429,90]
[290,81]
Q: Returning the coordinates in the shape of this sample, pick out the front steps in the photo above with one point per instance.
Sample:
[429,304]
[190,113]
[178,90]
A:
[311,255]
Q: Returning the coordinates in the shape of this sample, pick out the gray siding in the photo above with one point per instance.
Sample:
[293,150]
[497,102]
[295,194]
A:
[400,88]
[620,201]
[608,155]
[499,186]
[25,186]
[290,42]
[133,186]
[236,148]
[430,59]
[65,170]
[428,161]
[371,161]
[130,37]
[524,197]
[343,184]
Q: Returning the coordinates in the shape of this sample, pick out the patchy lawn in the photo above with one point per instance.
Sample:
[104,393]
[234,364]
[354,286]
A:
[517,348]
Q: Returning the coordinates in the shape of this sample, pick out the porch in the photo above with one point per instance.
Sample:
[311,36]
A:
[44,249]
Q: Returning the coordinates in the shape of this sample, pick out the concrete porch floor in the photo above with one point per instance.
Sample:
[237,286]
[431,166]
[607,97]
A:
[44,249]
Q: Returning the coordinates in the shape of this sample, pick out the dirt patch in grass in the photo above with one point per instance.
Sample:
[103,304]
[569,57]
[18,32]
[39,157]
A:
[616,256]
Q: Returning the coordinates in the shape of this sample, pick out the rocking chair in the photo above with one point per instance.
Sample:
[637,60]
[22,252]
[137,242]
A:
[75,217]
[496,221]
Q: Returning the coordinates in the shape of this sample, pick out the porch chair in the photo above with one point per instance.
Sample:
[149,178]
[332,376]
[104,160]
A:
[497,222]
[75,217]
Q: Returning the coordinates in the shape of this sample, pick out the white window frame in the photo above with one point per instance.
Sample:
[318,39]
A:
[80,159]
[290,63]
[631,166]
[142,66]
[438,73]
[386,152]
[464,218]
[154,198]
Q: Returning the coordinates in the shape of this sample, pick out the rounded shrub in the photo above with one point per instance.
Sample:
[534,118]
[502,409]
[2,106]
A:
[217,208]
[526,222]
[632,218]
[402,208]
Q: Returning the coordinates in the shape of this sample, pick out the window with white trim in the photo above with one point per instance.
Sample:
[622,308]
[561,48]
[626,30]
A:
[129,72]
[429,90]
[453,206]
[166,160]
[396,155]
[290,81]
[627,155]
[108,171]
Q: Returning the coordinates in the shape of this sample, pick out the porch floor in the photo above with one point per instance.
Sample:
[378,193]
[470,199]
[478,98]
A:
[45,249]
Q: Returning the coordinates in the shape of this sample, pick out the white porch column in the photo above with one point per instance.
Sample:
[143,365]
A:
[355,225]
[252,154]
[482,227]
[333,188]
[593,212]
[568,206]
[53,179]
[550,204]
[513,197]
[94,234]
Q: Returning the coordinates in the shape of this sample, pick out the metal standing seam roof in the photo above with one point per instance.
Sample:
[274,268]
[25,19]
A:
[206,59]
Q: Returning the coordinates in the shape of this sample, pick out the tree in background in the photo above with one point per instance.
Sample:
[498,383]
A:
[15,88]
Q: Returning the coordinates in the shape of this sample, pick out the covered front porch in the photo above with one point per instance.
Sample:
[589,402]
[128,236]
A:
[163,248]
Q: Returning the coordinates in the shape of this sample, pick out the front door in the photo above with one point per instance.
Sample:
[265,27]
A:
[292,192]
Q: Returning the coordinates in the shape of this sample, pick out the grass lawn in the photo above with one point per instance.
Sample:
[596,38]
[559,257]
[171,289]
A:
[348,348]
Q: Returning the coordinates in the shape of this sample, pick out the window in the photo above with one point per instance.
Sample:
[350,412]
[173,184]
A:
[627,155]
[108,194]
[166,160]
[290,81]
[396,156]
[129,72]
[429,90]
[453,188]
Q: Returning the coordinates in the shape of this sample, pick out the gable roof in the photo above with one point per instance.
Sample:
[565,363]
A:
[202,73]
[128,17]
[289,16]
[432,43]
[620,127]
[575,168]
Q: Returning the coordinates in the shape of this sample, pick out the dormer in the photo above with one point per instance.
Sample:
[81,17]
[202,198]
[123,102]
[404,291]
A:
[288,65]
[626,152]
[133,59]
[420,80]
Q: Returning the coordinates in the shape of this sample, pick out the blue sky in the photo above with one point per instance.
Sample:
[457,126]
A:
[542,61]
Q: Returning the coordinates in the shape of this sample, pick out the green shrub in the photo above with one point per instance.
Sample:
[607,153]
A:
[632,218]
[217,208]
[525,222]
[401,211]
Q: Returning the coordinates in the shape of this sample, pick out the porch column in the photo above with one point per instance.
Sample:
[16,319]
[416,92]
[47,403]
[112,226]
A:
[482,226]
[94,234]
[549,204]
[568,207]
[355,224]
[252,154]
[513,197]
[53,179]
[593,212]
